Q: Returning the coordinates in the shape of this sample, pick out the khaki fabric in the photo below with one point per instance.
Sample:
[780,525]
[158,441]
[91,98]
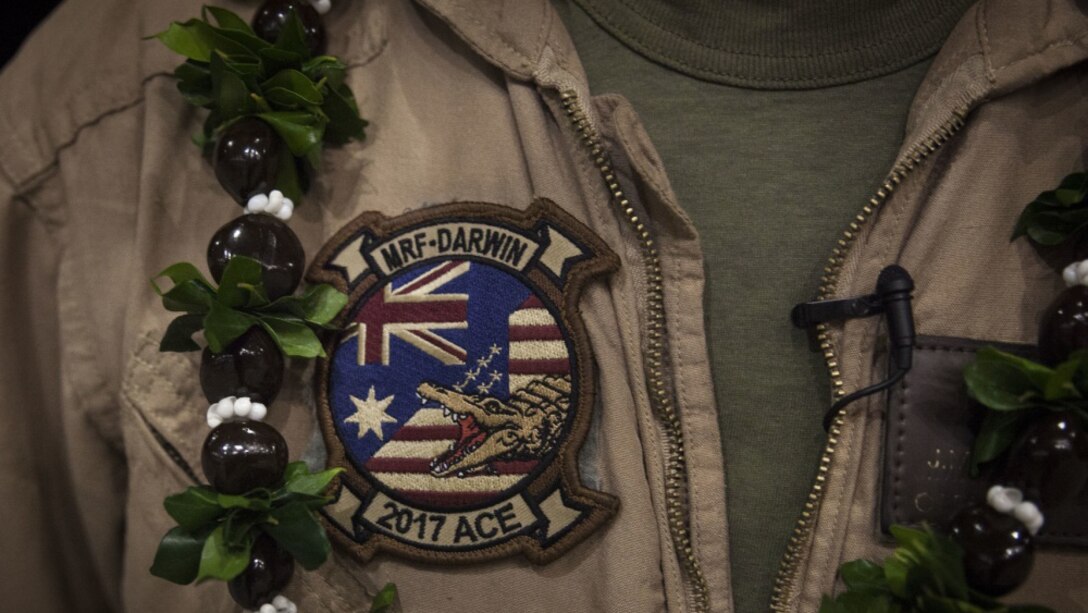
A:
[100,188]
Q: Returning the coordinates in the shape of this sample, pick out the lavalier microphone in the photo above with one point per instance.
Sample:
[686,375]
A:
[892,298]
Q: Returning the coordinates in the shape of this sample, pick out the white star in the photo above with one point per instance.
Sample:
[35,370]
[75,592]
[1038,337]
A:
[370,414]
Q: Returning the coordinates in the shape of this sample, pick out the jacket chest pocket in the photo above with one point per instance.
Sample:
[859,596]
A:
[931,425]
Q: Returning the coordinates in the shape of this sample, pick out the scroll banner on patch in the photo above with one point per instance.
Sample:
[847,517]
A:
[498,244]
[471,528]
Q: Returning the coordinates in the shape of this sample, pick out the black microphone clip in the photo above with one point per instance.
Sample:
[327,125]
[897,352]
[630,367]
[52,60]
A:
[892,298]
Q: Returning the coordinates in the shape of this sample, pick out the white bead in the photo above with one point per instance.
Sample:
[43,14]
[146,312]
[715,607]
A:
[1069,275]
[993,493]
[213,417]
[267,608]
[1082,269]
[286,210]
[1015,495]
[242,406]
[280,602]
[291,608]
[1030,515]
[257,204]
[322,6]
[225,408]
[275,202]
[257,411]
[1000,500]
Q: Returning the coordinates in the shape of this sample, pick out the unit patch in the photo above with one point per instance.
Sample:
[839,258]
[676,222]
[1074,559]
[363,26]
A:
[460,390]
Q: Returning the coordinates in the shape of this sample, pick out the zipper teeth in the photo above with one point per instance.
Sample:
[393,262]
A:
[787,572]
[676,508]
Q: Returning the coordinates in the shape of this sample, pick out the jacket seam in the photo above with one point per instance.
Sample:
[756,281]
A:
[1056,44]
[43,170]
[498,37]
[984,41]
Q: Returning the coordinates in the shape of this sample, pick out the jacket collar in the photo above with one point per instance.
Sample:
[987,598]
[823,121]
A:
[510,34]
[999,46]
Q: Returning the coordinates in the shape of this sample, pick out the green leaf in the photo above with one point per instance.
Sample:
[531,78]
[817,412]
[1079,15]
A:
[234,100]
[179,334]
[240,272]
[253,502]
[283,98]
[189,297]
[229,90]
[226,19]
[194,508]
[195,83]
[1054,216]
[181,272]
[296,530]
[322,303]
[300,131]
[312,484]
[219,561]
[384,600]
[192,39]
[864,576]
[235,45]
[1005,382]
[295,470]
[319,305]
[997,433]
[240,527]
[191,292]
[344,121]
[279,59]
[1060,385]
[293,337]
[293,36]
[287,180]
[178,557]
[295,83]
[326,67]
[223,324]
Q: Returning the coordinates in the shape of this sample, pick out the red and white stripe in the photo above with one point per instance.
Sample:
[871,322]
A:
[404,464]
[537,346]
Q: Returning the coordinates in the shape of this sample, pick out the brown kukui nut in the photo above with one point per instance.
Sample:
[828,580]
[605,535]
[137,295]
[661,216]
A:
[998,549]
[239,456]
[265,239]
[1064,328]
[269,571]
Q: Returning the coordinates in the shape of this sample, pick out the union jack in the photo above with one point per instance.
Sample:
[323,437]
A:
[413,312]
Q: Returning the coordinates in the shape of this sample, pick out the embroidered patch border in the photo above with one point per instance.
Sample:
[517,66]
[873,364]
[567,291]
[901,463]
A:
[405,278]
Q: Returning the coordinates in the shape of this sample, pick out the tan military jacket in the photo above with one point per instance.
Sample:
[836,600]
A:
[100,188]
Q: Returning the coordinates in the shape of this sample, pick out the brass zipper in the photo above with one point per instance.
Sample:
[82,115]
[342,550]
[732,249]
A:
[786,580]
[676,507]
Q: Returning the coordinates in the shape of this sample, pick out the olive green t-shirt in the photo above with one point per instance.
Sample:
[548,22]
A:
[776,122]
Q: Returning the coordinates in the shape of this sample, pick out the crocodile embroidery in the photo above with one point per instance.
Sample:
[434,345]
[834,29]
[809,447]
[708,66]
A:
[527,426]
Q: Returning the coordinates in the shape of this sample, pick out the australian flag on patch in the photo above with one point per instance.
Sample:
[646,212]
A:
[452,384]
